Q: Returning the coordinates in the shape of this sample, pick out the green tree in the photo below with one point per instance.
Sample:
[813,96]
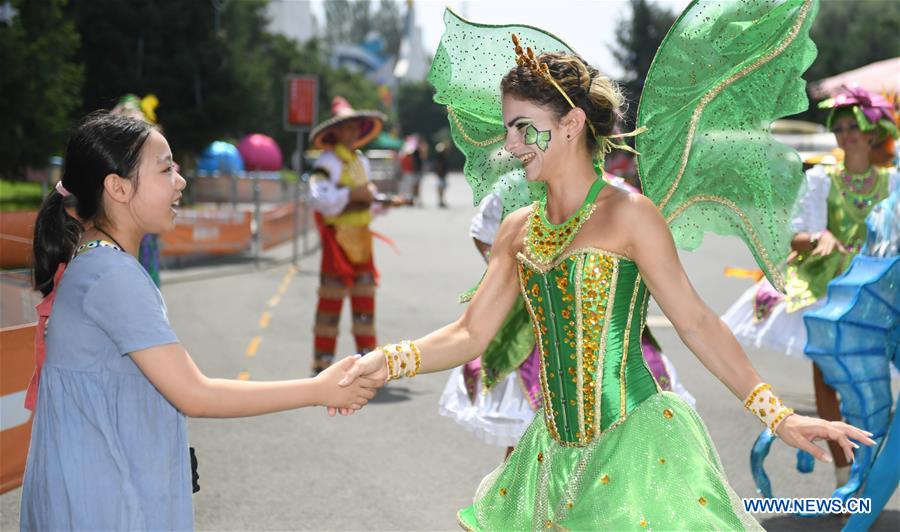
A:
[347,21]
[849,35]
[637,40]
[40,83]
[351,21]
[202,60]
[389,24]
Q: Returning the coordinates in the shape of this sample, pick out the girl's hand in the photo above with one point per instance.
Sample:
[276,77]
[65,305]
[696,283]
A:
[827,244]
[347,397]
[800,431]
[371,368]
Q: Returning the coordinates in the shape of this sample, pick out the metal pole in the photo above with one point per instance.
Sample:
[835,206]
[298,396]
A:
[304,223]
[296,191]
[257,216]
[233,191]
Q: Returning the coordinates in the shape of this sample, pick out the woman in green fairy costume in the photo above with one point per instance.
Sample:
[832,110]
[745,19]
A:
[609,449]
[829,230]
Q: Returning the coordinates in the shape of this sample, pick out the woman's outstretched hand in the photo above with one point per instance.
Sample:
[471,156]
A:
[801,431]
[371,368]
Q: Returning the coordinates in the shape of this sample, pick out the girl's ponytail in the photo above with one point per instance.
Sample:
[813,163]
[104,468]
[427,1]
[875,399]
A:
[56,234]
[101,144]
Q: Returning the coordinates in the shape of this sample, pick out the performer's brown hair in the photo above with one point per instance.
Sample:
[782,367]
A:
[598,96]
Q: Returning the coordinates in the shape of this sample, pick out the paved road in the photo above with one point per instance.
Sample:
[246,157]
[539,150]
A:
[399,465]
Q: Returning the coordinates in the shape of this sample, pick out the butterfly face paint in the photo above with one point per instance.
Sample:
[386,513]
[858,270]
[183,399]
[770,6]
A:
[529,129]
[541,139]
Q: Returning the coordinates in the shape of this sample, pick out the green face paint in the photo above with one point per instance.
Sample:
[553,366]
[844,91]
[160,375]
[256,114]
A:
[539,138]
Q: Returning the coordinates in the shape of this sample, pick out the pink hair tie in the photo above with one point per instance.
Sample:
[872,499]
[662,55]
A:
[62,190]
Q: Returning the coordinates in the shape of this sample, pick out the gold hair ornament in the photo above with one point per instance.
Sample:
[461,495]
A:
[527,58]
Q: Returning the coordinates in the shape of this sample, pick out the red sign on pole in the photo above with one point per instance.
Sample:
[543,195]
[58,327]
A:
[301,102]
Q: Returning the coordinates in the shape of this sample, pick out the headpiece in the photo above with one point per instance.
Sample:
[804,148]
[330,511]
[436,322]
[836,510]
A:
[370,123]
[527,58]
[873,112]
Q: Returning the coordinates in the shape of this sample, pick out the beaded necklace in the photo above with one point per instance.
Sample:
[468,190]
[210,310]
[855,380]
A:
[544,241]
[94,244]
[859,188]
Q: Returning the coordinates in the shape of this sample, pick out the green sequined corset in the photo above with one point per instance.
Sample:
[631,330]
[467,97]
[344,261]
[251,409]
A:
[587,309]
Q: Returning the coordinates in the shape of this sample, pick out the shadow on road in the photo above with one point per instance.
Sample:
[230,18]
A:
[392,394]
[888,520]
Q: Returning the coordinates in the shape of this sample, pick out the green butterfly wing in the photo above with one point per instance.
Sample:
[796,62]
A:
[723,74]
[531,135]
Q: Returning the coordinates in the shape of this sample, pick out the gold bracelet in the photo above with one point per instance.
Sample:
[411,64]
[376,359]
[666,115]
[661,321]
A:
[407,359]
[767,406]
[418,355]
[390,366]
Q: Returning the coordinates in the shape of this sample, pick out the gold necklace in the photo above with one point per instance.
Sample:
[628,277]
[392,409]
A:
[544,241]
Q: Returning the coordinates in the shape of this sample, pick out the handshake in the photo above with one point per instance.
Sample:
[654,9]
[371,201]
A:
[347,385]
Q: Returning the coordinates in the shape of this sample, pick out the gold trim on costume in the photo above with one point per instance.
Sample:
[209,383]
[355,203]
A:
[579,347]
[709,96]
[470,140]
[604,335]
[539,268]
[777,278]
[625,342]
[549,419]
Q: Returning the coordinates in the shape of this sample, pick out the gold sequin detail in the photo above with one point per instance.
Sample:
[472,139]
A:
[668,414]
[662,460]
[759,388]
[702,501]
[569,505]
[604,479]
[544,243]
[502,492]
[540,457]
[644,523]
[594,292]
[548,523]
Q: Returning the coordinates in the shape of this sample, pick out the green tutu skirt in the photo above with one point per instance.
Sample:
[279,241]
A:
[655,469]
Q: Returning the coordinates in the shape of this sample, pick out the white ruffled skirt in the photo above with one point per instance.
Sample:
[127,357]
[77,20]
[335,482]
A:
[498,417]
[781,331]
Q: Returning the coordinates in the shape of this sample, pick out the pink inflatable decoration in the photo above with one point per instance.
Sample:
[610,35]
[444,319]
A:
[260,152]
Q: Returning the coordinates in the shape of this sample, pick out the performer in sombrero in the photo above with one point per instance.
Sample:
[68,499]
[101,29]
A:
[342,196]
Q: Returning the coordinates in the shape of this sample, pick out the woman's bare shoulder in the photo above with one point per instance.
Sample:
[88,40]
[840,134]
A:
[512,230]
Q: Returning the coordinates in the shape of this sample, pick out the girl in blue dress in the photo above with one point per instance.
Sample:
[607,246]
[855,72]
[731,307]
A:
[109,442]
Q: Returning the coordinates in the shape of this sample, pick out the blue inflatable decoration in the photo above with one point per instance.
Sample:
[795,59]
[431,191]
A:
[220,158]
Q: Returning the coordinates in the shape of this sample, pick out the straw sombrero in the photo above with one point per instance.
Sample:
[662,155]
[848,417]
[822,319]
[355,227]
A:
[370,124]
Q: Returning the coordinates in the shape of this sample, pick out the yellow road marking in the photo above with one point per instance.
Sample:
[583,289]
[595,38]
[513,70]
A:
[273,302]
[282,289]
[244,375]
[264,319]
[254,345]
